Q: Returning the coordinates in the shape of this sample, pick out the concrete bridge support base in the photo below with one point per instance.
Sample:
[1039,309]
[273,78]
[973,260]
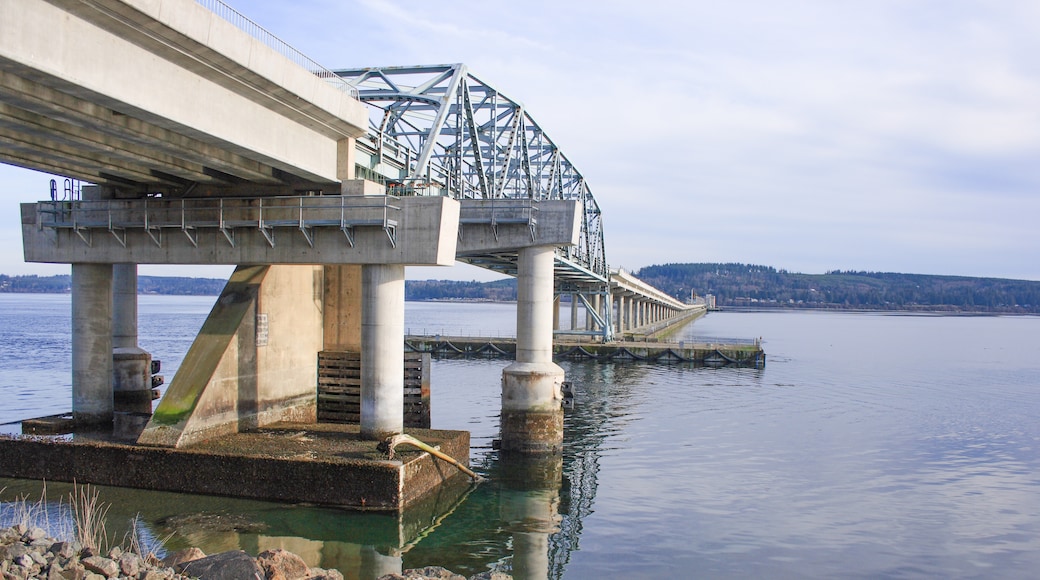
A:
[382,351]
[253,362]
[92,401]
[532,415]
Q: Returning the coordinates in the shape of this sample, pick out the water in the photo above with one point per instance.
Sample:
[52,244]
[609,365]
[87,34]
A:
[870,446]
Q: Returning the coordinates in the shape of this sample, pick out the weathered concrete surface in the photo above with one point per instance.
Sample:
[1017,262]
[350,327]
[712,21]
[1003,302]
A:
[382,351]
[532,418]
[92,400]
[290,462]
[426,234]
[342,312]
[558,223]
[89,83]
[253,362]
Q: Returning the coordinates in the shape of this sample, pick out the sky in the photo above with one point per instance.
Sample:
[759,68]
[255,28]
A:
[877,135]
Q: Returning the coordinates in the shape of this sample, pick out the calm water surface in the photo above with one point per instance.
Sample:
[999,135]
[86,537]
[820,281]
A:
[870,446]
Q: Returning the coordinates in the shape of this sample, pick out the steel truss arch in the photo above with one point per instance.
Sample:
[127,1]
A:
[453,134]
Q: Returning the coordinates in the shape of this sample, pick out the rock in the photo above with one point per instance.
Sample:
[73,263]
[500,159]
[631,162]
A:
[491,575]
[283,565]
[13,551]
[323,574]
[115,553]
[38,558]
[427,573]
[25,561]
[99,565]
[233,565]
[129,564]
[54,573]
[74,572]
[95,576]
[16,572]
[154,575]
[64,550]
[182,556]
[9,535]
[34,534]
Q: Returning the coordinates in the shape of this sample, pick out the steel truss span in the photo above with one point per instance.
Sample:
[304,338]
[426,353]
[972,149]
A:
[446,132]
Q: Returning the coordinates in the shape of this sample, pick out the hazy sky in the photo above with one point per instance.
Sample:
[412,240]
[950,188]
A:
[899,136]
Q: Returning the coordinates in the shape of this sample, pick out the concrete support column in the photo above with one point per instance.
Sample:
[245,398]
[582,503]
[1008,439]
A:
[131,365]
[92,343]
[382,350]
[590,322]
[622,324]
[532,413]
[124,305]
[574,311]
[556,313]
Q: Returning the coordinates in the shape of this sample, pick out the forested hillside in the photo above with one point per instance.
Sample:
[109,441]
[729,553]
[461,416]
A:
[62,284]
[763,286]
[734,285]
[499,290]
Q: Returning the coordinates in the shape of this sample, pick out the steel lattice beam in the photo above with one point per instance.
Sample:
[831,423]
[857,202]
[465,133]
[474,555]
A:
[459,136]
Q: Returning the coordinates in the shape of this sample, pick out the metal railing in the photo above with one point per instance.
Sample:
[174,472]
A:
[497,212]
[283,48]
[190,215]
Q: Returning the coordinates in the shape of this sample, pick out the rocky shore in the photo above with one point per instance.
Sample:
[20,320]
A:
[29,553]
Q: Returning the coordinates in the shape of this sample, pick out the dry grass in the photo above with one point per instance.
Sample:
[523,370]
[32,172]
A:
[89,514]
[81,518]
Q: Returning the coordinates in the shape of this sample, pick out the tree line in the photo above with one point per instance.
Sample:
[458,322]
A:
[732,284]
[62,284]
[739,285]
[500,290]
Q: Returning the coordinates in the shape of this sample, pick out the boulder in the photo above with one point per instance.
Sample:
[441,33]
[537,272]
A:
[129,564]
[322,574]
[182,556]
[63,550]
[107,567]
[233,565]
[283,565]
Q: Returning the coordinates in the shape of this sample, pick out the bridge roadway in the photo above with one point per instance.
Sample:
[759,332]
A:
[212,142]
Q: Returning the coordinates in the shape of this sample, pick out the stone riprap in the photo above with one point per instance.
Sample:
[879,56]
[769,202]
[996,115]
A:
[29,553]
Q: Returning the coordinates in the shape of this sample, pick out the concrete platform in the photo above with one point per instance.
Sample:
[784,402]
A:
[727,352]
[316,463]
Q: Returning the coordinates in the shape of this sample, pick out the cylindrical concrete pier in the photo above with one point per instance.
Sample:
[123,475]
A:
[382,350]
[124,305]
[92,401]
[532,414]
[574,311]
[131,365]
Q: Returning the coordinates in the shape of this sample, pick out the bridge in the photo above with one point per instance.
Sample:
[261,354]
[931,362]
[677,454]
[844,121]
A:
[210,141]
